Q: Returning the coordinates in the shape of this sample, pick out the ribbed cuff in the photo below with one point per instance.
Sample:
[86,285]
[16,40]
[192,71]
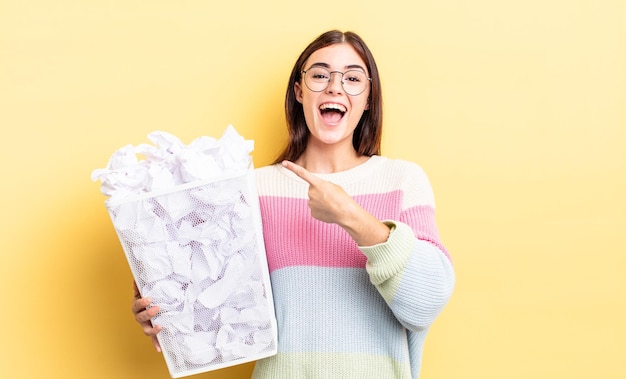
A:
[386,259]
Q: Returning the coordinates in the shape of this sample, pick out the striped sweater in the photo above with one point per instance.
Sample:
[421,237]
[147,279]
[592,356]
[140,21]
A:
[348,311]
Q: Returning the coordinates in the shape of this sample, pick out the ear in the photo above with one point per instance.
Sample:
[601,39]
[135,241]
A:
[298,91]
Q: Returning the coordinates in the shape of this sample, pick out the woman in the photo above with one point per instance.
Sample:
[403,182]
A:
[357,268]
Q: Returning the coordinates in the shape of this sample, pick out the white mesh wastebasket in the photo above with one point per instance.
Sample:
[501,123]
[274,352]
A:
[198,252]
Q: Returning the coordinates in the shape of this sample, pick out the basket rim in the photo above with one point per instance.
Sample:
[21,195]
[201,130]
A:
[181,187]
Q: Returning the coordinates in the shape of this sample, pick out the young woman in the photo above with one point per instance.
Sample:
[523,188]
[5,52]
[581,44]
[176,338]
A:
[357,267]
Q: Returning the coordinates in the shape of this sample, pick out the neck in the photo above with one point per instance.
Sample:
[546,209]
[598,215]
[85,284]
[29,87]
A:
[329,160]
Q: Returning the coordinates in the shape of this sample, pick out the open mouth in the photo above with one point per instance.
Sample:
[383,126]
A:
[332,112]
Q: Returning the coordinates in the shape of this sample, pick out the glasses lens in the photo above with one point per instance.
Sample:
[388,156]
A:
[317,78]
[354,82]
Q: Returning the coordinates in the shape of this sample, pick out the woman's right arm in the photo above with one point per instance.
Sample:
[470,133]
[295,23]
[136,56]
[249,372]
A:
[143,315]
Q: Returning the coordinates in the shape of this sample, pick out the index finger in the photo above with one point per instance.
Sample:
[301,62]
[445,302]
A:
[301,172]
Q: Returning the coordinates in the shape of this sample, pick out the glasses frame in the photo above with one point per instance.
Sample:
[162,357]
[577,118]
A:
[330,78]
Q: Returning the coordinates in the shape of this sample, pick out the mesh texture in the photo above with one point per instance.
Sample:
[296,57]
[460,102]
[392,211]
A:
[198,252]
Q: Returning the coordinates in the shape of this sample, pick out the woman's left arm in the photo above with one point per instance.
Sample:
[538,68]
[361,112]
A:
[414,276]
[412,270]
[407,264]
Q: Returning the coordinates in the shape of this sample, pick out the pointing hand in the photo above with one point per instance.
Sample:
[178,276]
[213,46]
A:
[328,202]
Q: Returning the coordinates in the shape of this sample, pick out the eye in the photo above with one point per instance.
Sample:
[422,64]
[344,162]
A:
[318,74]
[354,76]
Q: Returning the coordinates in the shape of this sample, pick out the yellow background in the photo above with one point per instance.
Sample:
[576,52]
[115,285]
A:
[516,109]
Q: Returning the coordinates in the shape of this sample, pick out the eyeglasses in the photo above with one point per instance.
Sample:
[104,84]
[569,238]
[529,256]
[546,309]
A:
[354,82]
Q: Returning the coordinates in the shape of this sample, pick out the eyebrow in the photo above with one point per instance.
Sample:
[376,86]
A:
[348,67]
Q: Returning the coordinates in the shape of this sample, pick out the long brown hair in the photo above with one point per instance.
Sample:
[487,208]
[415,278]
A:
[367,135]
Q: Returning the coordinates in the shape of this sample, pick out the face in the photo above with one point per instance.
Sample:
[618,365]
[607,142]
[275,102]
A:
[332,115]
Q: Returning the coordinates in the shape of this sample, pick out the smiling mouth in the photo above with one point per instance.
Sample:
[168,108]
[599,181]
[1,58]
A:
[332,112]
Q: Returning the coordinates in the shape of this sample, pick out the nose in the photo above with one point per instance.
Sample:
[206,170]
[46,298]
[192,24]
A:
[335,82]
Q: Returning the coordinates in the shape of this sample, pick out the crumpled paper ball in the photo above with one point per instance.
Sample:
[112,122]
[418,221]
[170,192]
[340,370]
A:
[169,163]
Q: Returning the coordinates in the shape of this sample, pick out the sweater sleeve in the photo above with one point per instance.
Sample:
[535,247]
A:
[414,277]
[412,269]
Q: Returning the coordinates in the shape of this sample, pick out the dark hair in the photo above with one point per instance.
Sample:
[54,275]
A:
[368,133]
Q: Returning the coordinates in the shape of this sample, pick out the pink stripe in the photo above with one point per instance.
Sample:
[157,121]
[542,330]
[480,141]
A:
[422,220]
[287,220]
